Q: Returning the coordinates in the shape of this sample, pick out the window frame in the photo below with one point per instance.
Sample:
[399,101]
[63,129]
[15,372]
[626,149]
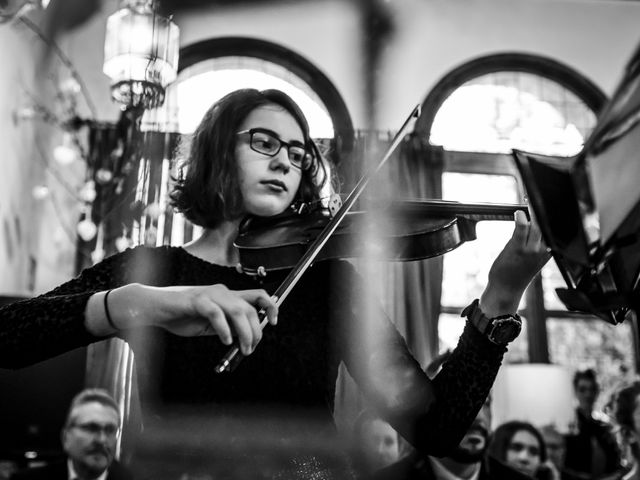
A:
[343,141]
[503,164]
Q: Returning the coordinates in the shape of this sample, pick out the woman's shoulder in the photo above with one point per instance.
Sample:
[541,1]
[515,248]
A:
[142,251]
[139,261]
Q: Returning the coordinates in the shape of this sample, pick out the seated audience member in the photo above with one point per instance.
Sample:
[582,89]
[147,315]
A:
[89,440]
[375,443]
[591,450]
[555,443]
[625,407]
[520,445]
[556,448]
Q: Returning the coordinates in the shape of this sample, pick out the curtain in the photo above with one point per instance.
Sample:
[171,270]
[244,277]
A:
[411,295]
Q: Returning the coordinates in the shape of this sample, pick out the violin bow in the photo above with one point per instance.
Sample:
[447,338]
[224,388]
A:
[233,357]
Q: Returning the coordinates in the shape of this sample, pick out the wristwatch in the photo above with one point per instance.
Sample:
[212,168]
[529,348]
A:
[499,330]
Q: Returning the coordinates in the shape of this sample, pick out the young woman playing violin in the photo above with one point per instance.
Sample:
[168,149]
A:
[181,307]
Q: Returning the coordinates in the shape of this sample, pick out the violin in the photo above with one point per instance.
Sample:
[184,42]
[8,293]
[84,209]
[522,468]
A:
[446,234]
[412,230]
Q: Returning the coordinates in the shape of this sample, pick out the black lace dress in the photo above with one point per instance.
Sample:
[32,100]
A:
[278,403]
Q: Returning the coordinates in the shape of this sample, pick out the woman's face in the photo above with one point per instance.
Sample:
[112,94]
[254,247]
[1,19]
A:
[379,444]
[268,183]
[586,393]
[523,453]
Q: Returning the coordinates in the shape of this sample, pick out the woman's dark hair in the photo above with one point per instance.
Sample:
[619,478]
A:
[209,192]
[501,438]
[623,405]
[91,395]
[589,374]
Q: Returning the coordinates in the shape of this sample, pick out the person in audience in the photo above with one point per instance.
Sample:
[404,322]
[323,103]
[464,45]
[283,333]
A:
[89,439]
[555,444]
[591,447]
[625,407]
[520,445]
[182,308]
[375,443]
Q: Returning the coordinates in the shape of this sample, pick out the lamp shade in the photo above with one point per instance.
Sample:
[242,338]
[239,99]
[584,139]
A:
[140,54]
[539,393]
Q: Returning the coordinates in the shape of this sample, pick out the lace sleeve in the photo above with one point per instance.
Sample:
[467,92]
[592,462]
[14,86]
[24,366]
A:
[42,327]
[462,387]
[433,415]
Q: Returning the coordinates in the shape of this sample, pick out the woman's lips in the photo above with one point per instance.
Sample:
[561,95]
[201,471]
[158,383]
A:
[275,185]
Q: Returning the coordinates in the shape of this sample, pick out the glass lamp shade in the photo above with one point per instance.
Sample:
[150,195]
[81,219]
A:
[518,394]
[140,54]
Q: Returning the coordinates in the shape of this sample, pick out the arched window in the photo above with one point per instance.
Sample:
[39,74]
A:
[212,68]
[478,113]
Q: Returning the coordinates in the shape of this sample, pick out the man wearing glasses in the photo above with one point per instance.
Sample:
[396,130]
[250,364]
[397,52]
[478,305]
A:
[89,439]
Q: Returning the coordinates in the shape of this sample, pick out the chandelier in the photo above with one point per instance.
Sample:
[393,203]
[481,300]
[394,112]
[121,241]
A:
[140,54]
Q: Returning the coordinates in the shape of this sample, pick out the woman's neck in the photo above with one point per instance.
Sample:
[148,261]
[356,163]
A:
[215,245]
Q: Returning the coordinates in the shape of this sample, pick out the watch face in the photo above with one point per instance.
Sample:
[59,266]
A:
[504,330]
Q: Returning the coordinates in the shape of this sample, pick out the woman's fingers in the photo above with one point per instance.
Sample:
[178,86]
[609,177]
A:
[217,321]
[237,312]
[527,234]
[262,301]
[241,325]
[521,230]
[217,310]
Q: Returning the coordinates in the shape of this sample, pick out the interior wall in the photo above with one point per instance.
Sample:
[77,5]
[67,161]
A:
[37,235]
[17,209]
[431,38]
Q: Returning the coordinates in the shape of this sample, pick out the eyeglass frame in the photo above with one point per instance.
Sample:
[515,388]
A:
[266,131]
[95,429]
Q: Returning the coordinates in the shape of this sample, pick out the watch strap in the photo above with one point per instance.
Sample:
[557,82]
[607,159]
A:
[476,316]
[485,325]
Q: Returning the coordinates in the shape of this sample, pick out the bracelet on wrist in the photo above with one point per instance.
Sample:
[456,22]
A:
[107,313]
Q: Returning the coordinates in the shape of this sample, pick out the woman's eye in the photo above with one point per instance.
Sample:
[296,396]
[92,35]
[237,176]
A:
[296,156]
[265,143]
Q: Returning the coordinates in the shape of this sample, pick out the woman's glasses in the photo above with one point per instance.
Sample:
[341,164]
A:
[265,142]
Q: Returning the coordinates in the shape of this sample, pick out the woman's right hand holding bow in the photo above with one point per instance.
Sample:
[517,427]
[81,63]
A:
[183,310]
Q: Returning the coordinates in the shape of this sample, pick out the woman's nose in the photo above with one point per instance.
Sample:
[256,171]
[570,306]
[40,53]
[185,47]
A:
[524,457]
[281,160]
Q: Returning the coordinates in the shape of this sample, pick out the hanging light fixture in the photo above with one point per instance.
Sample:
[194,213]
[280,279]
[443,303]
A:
[140,54]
